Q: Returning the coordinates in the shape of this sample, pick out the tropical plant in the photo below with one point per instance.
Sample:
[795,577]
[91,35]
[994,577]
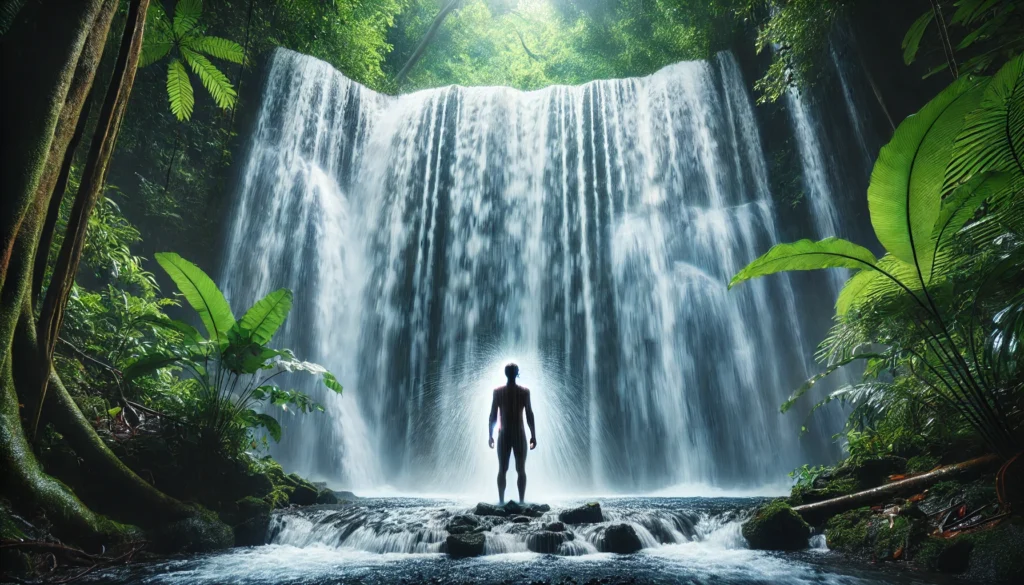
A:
[183,39]
[943,305]
[233,365]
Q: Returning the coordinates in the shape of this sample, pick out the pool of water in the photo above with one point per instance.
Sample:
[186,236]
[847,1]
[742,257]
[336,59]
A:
[692,541]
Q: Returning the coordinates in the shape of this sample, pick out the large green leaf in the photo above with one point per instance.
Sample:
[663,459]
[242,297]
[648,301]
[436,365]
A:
[179,91]
[873,285]
[906,184]
[201,293]
[266,316]
[148,364]
[218,48]
[992,137]
[332,383]
[270,423]
[912,40]
[959,208]
[806,386]
[213,79]
[186,16]
[807,255]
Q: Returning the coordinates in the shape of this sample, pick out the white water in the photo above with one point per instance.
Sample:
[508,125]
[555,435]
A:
[587,233]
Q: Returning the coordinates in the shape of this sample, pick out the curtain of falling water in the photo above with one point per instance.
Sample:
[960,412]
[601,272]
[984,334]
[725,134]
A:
[586,232]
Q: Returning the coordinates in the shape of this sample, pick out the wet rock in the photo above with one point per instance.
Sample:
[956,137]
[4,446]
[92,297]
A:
[586,514]
[485,509]
[200,532]
[775,526]
[326,497]
[555,527]
[521,519]
[465,545]
[303,493]
[249,519]
[547,541]
[620,538]
[536,510]
[464,523]
[343,495]
[513,508]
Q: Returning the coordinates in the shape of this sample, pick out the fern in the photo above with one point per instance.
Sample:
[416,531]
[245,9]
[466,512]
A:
[218,48]
[186,16]
[179,91]
[215,82]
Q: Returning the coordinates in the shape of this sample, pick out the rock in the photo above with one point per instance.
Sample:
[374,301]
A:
[585,514]
[620,538]
[464,523]
[521,519]
[343,495]
[775,526]
[326,496]
[304,492]
[555,527]
[485,509]
[249,520]
[536,510]
[547,541]
[465,545]
[199,532]
[513,508]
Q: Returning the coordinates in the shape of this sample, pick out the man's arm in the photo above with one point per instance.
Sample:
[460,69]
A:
[529,421]
[493,420]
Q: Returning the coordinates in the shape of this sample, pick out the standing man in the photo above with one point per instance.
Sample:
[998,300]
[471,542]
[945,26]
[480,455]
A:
[512,399]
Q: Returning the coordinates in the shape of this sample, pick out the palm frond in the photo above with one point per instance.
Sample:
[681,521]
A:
[153,51]
[215,82]
[179,90]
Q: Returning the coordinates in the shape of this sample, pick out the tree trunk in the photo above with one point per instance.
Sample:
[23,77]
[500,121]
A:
[819,511]
[51,316]
[422,47]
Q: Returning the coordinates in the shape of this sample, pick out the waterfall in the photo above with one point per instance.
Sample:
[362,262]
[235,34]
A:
[586,233]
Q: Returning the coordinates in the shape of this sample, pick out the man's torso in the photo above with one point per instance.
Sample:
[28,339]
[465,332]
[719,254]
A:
[511,404]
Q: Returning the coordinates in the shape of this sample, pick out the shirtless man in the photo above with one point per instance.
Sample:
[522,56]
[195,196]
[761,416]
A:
[512,399]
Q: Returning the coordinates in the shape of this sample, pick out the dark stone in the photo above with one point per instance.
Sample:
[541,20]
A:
[326,497]
[775,526]
[346,495]
[585,514]
[536,510]
[250,521]
[200,532]
[555,527]
[304,492]
[465,545]
[513,508]
[620,538]
[521,519]
[547,541]
[485,509]
[464,523]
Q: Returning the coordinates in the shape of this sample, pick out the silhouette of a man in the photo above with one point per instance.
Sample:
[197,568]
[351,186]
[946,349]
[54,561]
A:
[511,399]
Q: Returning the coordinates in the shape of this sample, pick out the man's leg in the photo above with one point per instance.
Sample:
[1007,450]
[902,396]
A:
[520,451]
[504,451]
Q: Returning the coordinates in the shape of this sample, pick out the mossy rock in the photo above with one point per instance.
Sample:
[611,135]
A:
[803,494]
[249,521]
[202,531]
[326,497]
[303,493]
[775,526]
[944,555]
[848,532]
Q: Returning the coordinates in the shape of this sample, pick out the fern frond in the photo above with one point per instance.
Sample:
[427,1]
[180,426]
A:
[217,48]
[186,16]
[179,90]
[215,82]
[154,50]
[158,26]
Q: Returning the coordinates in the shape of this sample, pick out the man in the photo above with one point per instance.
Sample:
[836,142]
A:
[512,399]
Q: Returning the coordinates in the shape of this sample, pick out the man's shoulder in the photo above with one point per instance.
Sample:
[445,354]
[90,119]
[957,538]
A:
[524,389]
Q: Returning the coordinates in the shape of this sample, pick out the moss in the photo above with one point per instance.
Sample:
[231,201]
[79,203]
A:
[996,554]
[804,494]
[922,463]
[775,526]
[202,531]
[849,532]
[944,555]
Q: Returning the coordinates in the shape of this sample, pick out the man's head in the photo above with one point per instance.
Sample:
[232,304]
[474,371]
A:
[511,371]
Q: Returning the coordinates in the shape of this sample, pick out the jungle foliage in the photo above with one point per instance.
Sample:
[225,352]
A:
[940,317]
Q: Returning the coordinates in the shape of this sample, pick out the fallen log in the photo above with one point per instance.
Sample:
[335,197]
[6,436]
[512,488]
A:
[818,512]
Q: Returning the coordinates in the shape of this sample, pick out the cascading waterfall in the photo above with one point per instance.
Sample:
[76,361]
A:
[587,233]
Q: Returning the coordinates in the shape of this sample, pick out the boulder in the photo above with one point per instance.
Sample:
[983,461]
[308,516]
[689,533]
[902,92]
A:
[555,527]
[199,532]
[249,519]
[521,519]
[536,510]
[775,526]
[326,496]
[464,523]
[465,545]
[485,509]
[513,508]
[586,514]
[620,538]
[304,492]
[547,541]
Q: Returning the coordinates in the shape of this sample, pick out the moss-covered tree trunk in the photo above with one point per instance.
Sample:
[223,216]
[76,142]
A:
[50,56]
